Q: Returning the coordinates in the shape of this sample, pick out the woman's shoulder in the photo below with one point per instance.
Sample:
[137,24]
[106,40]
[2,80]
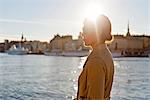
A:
[95,62]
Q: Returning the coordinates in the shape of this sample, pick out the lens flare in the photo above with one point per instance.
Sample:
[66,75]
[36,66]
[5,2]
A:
[93,10]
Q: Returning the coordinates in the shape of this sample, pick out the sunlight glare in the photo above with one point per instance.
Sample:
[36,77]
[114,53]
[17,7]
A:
[93,10]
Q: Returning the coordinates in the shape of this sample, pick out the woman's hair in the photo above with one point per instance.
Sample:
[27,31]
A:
[103,28]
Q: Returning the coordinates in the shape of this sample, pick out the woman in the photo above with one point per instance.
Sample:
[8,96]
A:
[95,81]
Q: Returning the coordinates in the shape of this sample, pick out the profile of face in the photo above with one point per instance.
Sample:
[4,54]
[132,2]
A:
[89,32]
[97,32]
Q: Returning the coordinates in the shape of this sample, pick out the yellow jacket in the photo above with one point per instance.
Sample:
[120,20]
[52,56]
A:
[95,81]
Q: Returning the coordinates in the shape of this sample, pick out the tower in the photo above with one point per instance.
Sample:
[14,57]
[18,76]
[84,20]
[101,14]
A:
[22,38]
[128,30]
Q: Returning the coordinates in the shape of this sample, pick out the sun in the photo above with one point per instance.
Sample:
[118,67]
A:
[93,10]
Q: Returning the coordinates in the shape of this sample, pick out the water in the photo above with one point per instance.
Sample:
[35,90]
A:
[39,77]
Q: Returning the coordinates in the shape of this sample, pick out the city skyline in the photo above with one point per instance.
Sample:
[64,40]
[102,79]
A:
[41,19]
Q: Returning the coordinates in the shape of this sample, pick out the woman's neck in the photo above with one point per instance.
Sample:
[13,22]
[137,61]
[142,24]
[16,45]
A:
[97,44]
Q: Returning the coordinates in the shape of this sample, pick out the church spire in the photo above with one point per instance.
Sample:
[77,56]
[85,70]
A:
[22,38]
[128,27]
[128,31]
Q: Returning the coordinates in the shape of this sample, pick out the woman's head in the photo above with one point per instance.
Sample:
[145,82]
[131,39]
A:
[98,31]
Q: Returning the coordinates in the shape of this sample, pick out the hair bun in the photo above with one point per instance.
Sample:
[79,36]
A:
[104,28]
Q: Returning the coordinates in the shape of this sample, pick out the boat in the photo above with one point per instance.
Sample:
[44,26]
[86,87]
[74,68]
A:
[81,53]
[130,54]
[135,54]
[52,54]
[17,50]
[68,53]
[116,54]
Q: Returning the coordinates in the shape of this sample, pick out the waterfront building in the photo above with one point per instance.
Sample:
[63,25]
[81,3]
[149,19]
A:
[56,44]
[2,47]
[66,43]
[61,43]
[7,46]
[36,46]
[118,44]
[130,45]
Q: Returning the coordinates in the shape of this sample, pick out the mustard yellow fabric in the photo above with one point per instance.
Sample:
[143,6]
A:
[96,78]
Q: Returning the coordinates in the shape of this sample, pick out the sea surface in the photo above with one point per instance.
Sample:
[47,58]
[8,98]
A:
[39,77]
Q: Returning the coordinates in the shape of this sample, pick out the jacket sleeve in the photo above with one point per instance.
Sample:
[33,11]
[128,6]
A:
[96,79]
[82,84]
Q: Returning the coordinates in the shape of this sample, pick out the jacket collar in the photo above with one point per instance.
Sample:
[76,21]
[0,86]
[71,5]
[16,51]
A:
[97,49]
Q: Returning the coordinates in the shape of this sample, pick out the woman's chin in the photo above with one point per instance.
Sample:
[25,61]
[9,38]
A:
[86,44]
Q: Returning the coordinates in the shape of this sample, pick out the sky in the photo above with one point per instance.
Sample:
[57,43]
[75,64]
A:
[42,19]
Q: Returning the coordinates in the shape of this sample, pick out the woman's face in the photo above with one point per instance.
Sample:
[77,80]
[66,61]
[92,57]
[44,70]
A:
[89,36]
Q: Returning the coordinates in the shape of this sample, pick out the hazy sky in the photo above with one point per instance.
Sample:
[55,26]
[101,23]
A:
[41,19]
